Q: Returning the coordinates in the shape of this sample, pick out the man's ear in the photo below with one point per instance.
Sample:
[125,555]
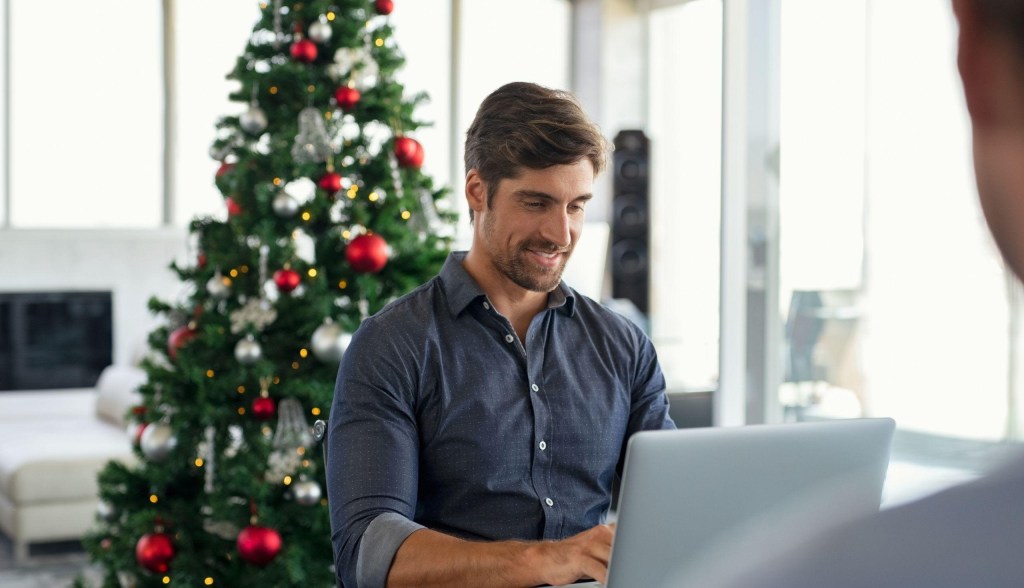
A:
[476,191]
[974,60]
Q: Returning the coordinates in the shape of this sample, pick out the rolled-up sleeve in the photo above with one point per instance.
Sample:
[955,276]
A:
[371,458]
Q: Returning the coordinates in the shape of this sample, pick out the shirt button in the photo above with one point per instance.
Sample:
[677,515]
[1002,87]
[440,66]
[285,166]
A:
[508,338]
[549,502]
[535,388]
[487,306]
[543,446]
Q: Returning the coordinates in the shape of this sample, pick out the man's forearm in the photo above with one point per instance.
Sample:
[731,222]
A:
[428,558]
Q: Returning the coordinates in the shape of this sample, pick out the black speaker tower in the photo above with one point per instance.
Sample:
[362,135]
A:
[630,230]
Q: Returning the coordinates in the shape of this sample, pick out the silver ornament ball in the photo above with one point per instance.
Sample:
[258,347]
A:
[330,342]
[248,351]
[307,492]
[217,288]
[285,206]
[320,32]
[158,441]
[254,120]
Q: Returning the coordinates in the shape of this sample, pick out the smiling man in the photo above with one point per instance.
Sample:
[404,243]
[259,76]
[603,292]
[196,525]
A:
[479,421]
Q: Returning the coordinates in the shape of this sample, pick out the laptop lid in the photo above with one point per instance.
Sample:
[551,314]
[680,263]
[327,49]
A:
[688,495]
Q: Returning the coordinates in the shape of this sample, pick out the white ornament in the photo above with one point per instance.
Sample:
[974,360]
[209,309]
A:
[158,441]
[248,350]
[217,287]
[256,312]
[305,247]
[330,342]
[320,31]
[302,190]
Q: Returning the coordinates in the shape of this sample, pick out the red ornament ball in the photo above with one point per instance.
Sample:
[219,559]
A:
[263,408]
[330,182]
[384,6]
[409,152]
[179,338]
[367,253]
[304,51]
[154,551]
[224,168]
[201,260]
[258,545]
[347,97]
[287,280]
[234,208]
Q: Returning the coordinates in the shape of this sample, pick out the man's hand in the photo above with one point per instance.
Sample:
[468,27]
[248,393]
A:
[428,558]
[581,556]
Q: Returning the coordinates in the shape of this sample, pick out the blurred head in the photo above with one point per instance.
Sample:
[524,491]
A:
[991,63]
[527,126]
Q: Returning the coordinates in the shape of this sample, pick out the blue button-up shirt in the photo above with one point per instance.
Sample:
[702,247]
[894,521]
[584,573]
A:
[443,419]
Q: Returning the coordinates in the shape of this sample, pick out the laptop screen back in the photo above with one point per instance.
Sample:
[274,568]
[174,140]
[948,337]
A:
[687,495]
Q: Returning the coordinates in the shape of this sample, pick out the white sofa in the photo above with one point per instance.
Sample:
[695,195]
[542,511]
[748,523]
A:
[53,445]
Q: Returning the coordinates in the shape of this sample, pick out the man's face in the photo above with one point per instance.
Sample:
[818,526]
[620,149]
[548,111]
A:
[533,222]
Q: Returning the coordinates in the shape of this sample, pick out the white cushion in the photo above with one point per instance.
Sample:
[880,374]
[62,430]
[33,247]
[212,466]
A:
[117,392]
[57,459]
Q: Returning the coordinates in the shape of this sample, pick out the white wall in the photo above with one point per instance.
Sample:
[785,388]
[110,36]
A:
[132,264]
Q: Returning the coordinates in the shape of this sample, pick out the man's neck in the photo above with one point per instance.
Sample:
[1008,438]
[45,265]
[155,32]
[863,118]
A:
[519,305]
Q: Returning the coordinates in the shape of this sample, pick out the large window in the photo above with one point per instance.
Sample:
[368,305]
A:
[84,104]
[880,221]
[686,142]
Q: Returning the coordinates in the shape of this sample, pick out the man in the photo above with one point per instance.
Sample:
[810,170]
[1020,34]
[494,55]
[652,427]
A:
[973,534]
[478,422]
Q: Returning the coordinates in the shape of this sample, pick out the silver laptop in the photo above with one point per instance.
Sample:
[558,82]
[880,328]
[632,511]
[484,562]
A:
[693,497]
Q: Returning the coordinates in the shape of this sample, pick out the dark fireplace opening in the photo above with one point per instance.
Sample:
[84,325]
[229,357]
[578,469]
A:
[54,339]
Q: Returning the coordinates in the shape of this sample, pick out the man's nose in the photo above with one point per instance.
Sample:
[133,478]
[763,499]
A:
[556,228]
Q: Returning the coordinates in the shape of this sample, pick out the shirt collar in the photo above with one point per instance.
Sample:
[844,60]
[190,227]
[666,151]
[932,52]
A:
[461,289]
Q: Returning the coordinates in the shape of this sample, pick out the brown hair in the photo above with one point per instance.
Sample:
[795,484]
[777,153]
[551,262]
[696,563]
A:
[1005,16]
[526,125]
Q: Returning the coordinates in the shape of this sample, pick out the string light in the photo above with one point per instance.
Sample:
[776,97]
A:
[312,272]
[330,15]
[406,215]
[210,373]
[277,181]
[342,284]
[378,42]
[245,269]
[287,480]
[306,216]
[315,411]
[199,462]
[273,90]
[311,88]
[373,197]
[241,389]
[346,234]
[233,273]
[241,410]
[208,581]
[166,580]
[154,498]
[300,450]
[277,380]
[303,352]
[295,365]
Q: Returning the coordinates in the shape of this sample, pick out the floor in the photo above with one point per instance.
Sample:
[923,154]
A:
[921,464]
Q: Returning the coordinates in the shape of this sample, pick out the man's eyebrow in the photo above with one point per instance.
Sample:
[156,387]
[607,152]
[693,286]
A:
[546,196]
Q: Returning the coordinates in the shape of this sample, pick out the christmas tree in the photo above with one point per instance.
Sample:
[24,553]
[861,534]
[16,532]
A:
[327,218]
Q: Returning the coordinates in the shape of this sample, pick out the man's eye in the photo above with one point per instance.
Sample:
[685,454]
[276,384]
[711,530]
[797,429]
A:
[533,204]
[575,208]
